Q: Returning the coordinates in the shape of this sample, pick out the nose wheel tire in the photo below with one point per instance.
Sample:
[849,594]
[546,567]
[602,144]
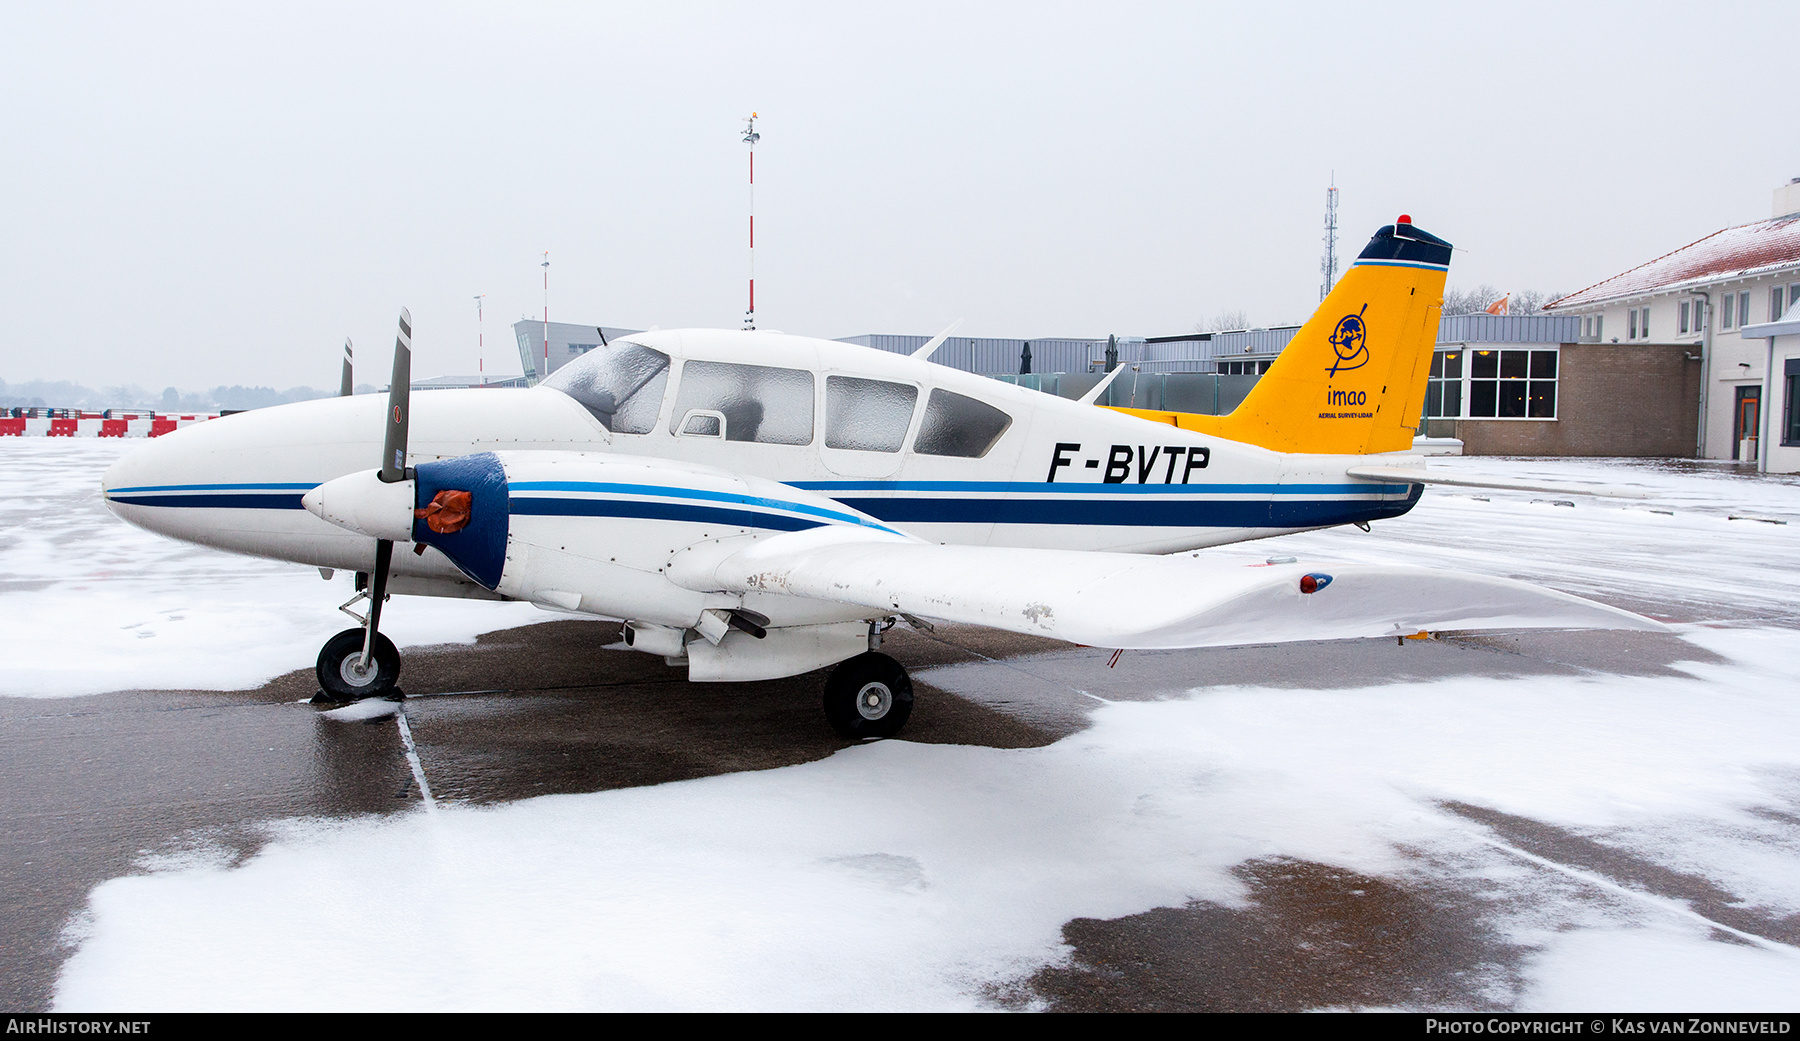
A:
[868,696]
[341,673]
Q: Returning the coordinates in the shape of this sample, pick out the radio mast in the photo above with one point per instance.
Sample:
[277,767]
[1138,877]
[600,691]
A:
[750,138]
[1328,265]
[480,340]
[546,266]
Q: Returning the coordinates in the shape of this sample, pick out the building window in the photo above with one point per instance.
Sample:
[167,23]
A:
[1725,319]
[1744,307]
[1443,392]
[1512,384]
[1684,319]
[1775,304]
[1631,324]
[1599,327]
[1644,323]
[1790,415]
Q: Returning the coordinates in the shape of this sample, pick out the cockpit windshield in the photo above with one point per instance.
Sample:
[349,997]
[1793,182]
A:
[621,383]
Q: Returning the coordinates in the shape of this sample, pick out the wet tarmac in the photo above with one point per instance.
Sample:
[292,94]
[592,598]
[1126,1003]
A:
[97,787]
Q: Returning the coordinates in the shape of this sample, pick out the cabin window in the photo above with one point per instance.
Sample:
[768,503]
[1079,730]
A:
[621,383]
[867,415]
[754,402]
[959,426]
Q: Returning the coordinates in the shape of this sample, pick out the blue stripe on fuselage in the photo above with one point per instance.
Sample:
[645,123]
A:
[529,506]
[264,501]
[1073,488]
[1192,513]
[212,488]
[1120,505]
[690,493]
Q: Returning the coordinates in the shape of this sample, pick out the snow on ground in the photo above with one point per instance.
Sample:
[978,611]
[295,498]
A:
[1678,550]
[897,875]
[907,876]
[93,604]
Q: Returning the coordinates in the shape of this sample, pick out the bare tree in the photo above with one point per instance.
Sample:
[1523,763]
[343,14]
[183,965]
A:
[1482,297]
[1470,301]
[1532,301]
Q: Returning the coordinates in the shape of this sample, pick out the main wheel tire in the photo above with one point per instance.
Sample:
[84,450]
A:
[342,680]
[868,696]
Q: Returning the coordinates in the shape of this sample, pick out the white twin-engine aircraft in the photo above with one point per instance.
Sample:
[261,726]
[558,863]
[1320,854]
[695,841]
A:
[754,505]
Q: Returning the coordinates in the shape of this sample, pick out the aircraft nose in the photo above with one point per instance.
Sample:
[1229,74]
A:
[143,476]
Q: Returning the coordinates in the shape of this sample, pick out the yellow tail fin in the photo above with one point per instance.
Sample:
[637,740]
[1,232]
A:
[1352,380]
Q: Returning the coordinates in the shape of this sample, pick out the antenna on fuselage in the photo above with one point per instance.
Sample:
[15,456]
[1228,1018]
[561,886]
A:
[1100,388]
[936,341]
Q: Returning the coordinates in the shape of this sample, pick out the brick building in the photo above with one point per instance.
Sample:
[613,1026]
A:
[1526,385]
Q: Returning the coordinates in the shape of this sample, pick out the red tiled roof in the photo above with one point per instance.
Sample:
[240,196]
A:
[1743,251]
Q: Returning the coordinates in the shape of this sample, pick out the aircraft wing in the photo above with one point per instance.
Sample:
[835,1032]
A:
[1135,601]
[1420,475]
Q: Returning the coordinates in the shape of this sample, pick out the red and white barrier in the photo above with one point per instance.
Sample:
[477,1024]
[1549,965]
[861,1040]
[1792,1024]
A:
[97,424]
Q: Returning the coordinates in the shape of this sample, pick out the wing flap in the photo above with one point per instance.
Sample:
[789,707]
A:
[1136,601]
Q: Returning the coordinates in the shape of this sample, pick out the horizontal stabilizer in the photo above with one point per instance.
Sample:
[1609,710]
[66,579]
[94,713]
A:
[1138,601]
[1417,475]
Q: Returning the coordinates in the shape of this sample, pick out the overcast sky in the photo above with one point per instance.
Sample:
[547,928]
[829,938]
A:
[215,194]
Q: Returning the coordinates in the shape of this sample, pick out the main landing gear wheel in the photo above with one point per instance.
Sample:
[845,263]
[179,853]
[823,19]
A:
[340,671]
[868,696]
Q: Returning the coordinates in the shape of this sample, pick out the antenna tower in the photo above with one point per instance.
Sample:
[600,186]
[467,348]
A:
[750,138]
[544,374]
[480,339]
[1328,265]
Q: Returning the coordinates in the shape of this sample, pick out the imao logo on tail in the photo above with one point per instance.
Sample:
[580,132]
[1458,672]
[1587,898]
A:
[1351,340]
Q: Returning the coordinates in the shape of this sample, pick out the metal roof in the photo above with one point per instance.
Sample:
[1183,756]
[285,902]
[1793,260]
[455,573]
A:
[1001,354]
[1509,328]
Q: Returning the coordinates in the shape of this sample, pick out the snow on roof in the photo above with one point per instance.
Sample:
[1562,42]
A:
[1740,252]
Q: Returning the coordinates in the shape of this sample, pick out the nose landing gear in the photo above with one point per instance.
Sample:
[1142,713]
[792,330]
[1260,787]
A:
[343,676]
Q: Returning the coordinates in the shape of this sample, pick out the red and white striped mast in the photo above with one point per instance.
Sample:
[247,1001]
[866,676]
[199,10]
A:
[480,339]
[750,138]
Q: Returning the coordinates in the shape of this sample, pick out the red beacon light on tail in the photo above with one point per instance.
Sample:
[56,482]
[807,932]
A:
[1314,582]
[1404,218]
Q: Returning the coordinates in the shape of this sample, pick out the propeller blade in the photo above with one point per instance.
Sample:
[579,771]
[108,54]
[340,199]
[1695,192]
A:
[344,388]
[393,449]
